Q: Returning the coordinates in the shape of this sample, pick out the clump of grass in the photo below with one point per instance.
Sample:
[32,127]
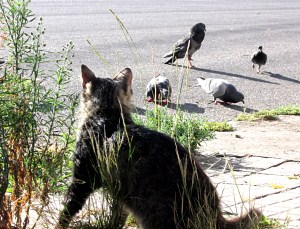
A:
[131,221]
[219,126]
[265,222]
[260,115]
[187,129]
[288,110]
[270,115]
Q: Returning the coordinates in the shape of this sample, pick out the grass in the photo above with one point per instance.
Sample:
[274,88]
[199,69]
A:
[187,129]
[219,126]
[268,223]
[270,115]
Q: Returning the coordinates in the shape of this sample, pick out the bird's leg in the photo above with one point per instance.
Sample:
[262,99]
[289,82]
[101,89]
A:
[190,61]
[217,102]
[253,67]
[259,69]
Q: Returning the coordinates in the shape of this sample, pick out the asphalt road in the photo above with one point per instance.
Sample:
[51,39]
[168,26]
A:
[234,31]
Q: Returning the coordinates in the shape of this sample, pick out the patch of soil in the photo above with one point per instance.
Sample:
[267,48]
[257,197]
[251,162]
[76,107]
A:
[279,139]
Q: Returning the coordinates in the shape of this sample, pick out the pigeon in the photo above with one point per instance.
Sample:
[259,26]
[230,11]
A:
[159,90]
[191,43]
[259,58]
[221,89]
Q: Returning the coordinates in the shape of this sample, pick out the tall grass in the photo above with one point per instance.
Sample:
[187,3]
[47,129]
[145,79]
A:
[36,122]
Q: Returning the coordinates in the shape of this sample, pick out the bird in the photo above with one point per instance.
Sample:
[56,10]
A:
[221,89]
[259,58]
[159,90]
[190,44]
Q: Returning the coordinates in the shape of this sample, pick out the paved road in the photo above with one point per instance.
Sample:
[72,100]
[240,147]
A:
[234,31]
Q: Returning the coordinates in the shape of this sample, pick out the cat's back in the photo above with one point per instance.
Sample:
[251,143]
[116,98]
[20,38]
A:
[151,141]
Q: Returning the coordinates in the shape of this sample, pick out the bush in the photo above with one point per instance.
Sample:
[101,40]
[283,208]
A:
[36,122]
[187,129]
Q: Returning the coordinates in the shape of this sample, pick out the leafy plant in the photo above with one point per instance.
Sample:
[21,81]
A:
[36,122]
[187,129]
[269,223]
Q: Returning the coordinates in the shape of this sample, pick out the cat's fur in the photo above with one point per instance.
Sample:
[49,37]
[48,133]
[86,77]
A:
[160,183]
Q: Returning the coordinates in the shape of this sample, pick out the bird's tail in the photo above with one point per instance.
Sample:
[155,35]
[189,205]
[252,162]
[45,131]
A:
[200,81]
[168,54]
[170,61]
[249,220]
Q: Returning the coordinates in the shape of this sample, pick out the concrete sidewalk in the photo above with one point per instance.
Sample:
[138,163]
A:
[269,184]
[257,165]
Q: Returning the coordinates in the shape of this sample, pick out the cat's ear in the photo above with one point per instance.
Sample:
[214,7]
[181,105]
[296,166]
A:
[87,75]
[126,77]
[124,74]
[124,80]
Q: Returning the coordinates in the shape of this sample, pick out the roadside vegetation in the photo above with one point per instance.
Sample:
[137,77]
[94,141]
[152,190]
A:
[270,115]
[36,116]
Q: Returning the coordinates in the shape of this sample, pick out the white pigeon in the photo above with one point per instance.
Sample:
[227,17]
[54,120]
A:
[221,89]
[159,90]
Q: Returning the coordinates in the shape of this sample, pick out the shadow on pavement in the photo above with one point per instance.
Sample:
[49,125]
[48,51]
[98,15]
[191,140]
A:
[240,108]
[219,163]
[189,107]
[281,77]
[232,75]
[226,74]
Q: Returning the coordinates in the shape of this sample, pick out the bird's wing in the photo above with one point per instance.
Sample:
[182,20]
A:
[179,48]
[218,87]
[232,95]
[265,58]
[164,86]
[254,55]
[214,87]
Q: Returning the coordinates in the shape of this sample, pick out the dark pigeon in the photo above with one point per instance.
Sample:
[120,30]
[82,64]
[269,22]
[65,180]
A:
[192,41]
[159,90]
[221,89]
[259,58]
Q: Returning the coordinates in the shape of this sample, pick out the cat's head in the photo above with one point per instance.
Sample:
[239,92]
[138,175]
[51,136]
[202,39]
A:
[99,94]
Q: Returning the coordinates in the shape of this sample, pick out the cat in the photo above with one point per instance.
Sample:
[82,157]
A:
[158,180]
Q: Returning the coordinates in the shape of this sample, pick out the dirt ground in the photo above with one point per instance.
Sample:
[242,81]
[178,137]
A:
[279,139]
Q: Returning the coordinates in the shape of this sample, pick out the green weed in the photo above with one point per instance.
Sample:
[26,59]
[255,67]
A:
[270,114]
[219,126]
[266,223]
[187,129]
